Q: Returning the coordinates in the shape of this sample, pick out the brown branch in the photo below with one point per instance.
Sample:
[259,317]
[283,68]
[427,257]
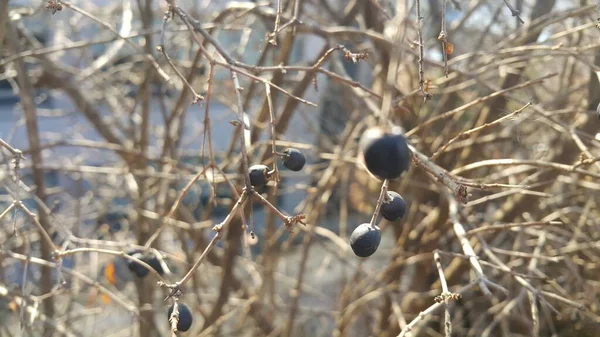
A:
[426,95]
[459,190]
[514,12]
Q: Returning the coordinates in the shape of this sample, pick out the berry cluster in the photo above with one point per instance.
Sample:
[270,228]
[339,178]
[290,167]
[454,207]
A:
[292,159]
[385,154]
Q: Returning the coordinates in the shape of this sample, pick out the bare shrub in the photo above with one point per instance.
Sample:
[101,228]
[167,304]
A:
[127,131]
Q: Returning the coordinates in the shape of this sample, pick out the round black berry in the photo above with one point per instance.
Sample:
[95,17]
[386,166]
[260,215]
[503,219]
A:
[293,159]
[365,240]
[154,263]
[259,175]
[185,317]
[394,208]
[136,268]
[386,154]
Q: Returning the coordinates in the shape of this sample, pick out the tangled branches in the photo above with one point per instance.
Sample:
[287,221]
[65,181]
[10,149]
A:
[148,203]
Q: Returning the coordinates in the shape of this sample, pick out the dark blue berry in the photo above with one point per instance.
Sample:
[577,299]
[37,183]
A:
[365,240]
[185,317]
[138,269]
[135,267]
[259,175]
[386,155]
[394,208]
[293,159]
[154,263]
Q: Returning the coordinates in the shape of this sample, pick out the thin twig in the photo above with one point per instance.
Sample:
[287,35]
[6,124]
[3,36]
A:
[408,328]
[241,115]
[33,217]
[174,318]
[274,152]
[426,95]
[459,230]
[477,129]
[289,221]
[446,294]
[161,49]
[7,210]
[273,36]
[382,197]
[12,150]
[443,37]
[207,137]
[197,97]
[506,226]
[514,12]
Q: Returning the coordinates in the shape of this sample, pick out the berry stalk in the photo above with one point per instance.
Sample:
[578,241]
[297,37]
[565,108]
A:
[384,188]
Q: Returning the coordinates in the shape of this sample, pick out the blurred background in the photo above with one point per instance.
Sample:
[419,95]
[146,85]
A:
[109,145]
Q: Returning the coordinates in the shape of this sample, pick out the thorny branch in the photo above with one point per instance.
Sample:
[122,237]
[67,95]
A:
[514,12]
[426,95]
